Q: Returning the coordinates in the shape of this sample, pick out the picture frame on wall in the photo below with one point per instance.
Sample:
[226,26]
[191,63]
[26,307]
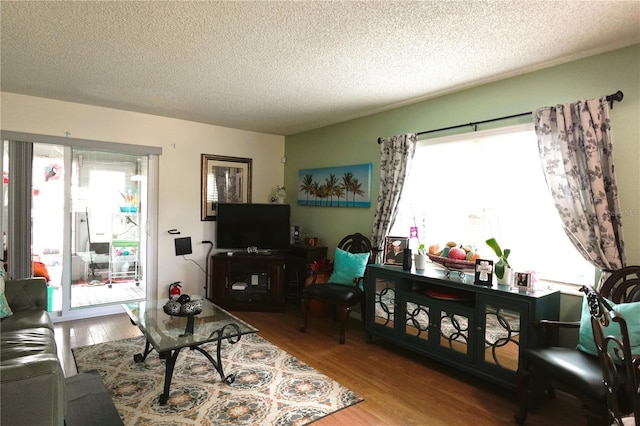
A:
[394,250]
[338,186]
[225,180]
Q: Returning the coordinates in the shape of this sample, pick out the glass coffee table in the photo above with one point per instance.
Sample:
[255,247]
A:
[168,335]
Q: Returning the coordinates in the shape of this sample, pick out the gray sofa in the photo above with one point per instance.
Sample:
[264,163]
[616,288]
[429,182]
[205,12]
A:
[32,384]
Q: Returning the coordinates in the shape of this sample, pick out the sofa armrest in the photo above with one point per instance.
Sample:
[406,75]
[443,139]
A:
[26,294]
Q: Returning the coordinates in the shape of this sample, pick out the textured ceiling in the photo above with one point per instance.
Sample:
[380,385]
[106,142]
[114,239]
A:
[284,67]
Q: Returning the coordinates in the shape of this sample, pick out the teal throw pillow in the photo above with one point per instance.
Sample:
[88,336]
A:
[5,310]
[631,313]
[347,266]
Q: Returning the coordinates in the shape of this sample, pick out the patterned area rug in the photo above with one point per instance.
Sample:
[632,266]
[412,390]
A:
[271,386]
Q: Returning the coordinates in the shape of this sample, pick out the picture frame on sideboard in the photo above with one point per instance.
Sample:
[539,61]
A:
[522,280]
[394,250]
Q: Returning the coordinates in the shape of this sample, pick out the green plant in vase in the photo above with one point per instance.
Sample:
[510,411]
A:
[420,258]
[502,264]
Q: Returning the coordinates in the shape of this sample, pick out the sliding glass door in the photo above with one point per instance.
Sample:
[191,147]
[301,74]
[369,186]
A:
[108,218]
[47,217]
[87,228]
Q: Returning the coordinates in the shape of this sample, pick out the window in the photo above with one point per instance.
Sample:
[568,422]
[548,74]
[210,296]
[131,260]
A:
[472,187]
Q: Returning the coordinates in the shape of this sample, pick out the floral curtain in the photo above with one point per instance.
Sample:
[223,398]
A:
[575,147]
[396,155]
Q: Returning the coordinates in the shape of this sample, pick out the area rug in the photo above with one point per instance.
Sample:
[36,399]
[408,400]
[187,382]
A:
[271,386]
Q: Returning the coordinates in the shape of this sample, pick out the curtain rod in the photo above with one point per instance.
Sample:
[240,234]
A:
[615,97]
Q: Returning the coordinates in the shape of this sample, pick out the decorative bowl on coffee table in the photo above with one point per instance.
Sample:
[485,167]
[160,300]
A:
[189,309]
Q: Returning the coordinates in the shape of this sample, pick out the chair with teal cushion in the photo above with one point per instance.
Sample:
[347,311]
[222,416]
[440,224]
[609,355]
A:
[576,370]
[345,287]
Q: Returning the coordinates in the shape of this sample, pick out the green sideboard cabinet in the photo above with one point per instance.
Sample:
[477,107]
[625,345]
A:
[443,315]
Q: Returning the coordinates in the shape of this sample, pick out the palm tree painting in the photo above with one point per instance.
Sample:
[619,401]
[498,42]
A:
[341,186]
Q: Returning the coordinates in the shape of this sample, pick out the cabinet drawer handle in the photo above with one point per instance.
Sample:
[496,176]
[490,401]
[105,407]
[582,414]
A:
[268,283]
[478,328]
[226,282]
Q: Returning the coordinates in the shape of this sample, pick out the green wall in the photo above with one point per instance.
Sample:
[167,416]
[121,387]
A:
[355,141]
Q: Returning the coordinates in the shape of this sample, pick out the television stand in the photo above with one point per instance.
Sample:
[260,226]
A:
[247,282]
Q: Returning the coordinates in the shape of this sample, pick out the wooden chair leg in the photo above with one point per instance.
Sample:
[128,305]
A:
[304,307]
[522,385]
[596,416]
[346,311]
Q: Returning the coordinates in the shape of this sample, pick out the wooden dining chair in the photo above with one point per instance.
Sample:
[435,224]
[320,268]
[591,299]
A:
[614,347]
[574,370]
[345,288]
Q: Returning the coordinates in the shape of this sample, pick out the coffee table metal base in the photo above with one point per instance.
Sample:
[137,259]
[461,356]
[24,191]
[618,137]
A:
[170,357]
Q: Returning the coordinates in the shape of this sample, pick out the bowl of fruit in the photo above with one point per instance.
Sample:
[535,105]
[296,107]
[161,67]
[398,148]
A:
[454,256]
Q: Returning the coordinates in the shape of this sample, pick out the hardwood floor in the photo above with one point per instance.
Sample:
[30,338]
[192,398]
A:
[72,334]
[399,387]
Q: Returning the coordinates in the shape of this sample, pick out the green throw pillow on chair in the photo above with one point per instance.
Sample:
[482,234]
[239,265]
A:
[631,313]
[5,310]
[348,266]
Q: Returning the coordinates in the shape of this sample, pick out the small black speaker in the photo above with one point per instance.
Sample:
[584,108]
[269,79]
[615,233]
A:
[406,259]
[183,246]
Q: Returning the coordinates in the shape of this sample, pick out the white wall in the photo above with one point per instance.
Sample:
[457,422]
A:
[182,143]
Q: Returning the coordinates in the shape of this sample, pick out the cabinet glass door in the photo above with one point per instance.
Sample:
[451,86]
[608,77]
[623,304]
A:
[418,321]
[502,336]
[444,325]
[454,330]
[384,303]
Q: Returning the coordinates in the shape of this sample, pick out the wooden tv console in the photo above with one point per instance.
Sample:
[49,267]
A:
[259,282]
[247,282]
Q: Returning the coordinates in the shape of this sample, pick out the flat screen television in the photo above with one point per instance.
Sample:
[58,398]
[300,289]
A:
[265,226]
